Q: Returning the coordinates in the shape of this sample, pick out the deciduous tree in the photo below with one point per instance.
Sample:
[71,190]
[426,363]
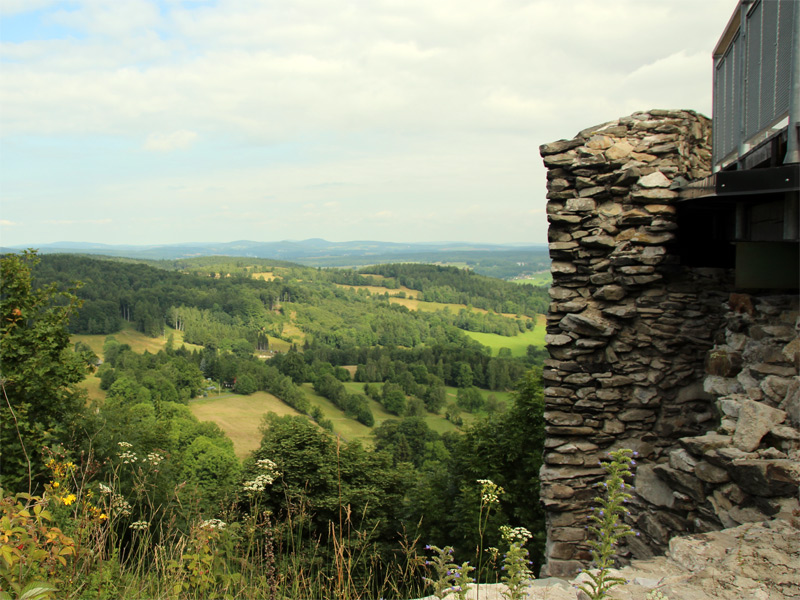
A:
[38,371]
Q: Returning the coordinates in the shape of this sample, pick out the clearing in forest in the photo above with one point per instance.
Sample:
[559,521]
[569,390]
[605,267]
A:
[138,341]
[240,416]
[518,344]
[380,290]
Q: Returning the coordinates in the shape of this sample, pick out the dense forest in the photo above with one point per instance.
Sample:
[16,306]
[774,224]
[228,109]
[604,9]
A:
[132,472]
[502,262]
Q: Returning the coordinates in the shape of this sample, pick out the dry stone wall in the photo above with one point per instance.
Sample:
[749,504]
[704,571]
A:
[630,332]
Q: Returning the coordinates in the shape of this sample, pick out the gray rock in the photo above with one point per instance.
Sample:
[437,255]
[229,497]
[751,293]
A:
[560,246]
[682,460]
[709,473]
[560,160]
[613,426]
[767,478]
[703,444]
[561,293]
[791,401]
[587,324]
[755,420]
[620,312]
[775,387]
[634,414]
[562,418]
[682,481]
[654,180]
[580,204]
[560,146]
[610,293]
[558,267]
[722,386]
[598,241]
[651,488]
[557,340]
[592,191]
[729,406]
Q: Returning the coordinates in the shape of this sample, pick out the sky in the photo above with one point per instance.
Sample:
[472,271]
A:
[169,121]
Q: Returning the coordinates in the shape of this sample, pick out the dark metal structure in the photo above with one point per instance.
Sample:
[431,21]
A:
[746,215]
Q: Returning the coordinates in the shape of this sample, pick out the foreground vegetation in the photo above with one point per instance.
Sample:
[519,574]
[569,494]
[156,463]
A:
[127,494]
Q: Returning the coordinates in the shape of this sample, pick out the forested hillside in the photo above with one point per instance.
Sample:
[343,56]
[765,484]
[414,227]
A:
[133,469]
[216,301]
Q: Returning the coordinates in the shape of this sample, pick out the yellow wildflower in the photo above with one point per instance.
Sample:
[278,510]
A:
[69,499]
[56,484]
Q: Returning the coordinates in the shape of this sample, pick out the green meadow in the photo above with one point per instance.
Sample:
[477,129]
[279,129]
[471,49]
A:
[518,344]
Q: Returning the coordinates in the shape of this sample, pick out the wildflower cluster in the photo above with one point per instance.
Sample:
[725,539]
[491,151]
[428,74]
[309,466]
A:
[490,491]
[58,487]
[126,455]
[120,506]
[212,524]
[515,534]
[154,458]
[449,577]
[607,526]
[139,525]
[60,470]
[517,574]
[268,475]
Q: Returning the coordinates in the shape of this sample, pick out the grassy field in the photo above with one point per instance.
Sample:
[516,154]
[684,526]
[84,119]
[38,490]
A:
[138,341]
[436,422]
[266,275]
[540,278]
[518,344]
[92,385]
[374,289]
[348,428]
[278,344]
[240,416]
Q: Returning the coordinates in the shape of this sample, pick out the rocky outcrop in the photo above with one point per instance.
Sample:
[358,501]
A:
[755,561]
[748,469]
[649,354]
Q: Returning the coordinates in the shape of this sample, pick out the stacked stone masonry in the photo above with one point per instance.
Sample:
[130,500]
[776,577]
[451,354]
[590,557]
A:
[631,333]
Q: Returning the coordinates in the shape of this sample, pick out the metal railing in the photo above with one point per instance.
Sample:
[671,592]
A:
[755,78]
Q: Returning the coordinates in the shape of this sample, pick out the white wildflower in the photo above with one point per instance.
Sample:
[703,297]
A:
[490,491]
[139,525]
[128,457]
[212,524]
[259,484]
[262,480]
[104,489]
[120,506]
[515,534]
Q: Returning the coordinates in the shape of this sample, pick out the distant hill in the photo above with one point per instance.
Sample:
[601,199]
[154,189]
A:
[495,260]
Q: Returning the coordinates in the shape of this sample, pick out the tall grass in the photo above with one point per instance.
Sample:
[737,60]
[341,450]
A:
[85,538]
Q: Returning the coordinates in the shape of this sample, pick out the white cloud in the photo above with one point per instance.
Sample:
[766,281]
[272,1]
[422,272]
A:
[13,7]
[79,221]
[166,142]
[109,19]
[408,106]
[7,223]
